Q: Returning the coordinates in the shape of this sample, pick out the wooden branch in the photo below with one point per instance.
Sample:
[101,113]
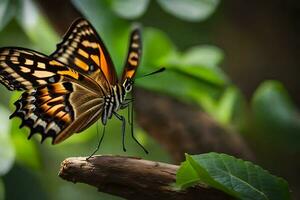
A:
[133,178]
[183,128]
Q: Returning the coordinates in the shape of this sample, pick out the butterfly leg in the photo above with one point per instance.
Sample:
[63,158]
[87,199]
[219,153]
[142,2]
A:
[129,113]
[130,121]
[120,117]
[99,143]
[126,103]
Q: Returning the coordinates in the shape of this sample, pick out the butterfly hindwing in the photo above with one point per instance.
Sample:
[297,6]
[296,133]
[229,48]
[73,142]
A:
[134,55]
[23,69]
[83,50]
[58,110]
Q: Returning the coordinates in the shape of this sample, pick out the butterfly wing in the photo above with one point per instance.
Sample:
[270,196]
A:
[58,110]
[134,55]
[83,50]
[23,69]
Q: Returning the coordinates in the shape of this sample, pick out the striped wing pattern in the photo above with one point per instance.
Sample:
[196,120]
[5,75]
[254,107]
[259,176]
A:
[58,110]
[54,102]
[84,50]
[23,69]
[134,55]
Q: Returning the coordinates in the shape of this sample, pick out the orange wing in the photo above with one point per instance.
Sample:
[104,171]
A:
[83,50]
[134,55]
[59,110]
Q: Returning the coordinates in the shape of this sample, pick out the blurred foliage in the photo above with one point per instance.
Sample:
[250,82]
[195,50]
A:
[240,179]
[129,9]
[2,190]
[190,10]
[277,117]
[193,76]
[7,152]
[30,19]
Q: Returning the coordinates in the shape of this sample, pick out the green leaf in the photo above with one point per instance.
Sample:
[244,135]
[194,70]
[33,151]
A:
[191,89]
[186,175]
[129,9]
[2,190]
[205,55]
[7,11]
[190,10]
[157,49]
[7,153]
[201,62]
[211,76]
[277,118]
[227,105]
[241,179]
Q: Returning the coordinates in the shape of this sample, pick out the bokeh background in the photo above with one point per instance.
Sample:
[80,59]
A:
[231,85]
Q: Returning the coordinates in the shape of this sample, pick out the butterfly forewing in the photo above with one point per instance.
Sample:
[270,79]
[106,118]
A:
[83,50]
[134,55]
[58,110]
[23,69]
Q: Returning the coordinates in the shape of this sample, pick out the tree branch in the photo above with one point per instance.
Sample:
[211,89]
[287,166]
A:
[133,178]
[183,128]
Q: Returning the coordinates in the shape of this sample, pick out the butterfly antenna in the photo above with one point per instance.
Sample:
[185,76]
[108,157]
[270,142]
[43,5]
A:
[100,141]
[152,73]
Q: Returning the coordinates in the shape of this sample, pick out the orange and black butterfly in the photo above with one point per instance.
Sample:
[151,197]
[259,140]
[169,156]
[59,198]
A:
[69,90]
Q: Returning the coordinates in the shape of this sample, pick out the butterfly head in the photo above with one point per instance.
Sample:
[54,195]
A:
[127,85]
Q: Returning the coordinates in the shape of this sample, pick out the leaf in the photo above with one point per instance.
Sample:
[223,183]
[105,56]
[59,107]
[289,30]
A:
[205,55]
[276,116]
[7,153]
[157,48]
[160,51]
[228,105]
[201,62]
[241,179]
[186,175]
[211,76]
[7,11]
[129,9]
[190,10]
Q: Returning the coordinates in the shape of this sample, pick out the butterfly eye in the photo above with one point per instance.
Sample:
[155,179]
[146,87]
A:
[128,88]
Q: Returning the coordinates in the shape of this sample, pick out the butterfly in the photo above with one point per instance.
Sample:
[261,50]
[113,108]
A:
[66,92]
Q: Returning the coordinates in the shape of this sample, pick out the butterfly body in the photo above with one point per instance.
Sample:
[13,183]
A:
[114,101]
[68,91]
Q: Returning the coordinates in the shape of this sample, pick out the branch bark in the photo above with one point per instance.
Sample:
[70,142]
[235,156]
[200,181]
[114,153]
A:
[183,128]
[133,178]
